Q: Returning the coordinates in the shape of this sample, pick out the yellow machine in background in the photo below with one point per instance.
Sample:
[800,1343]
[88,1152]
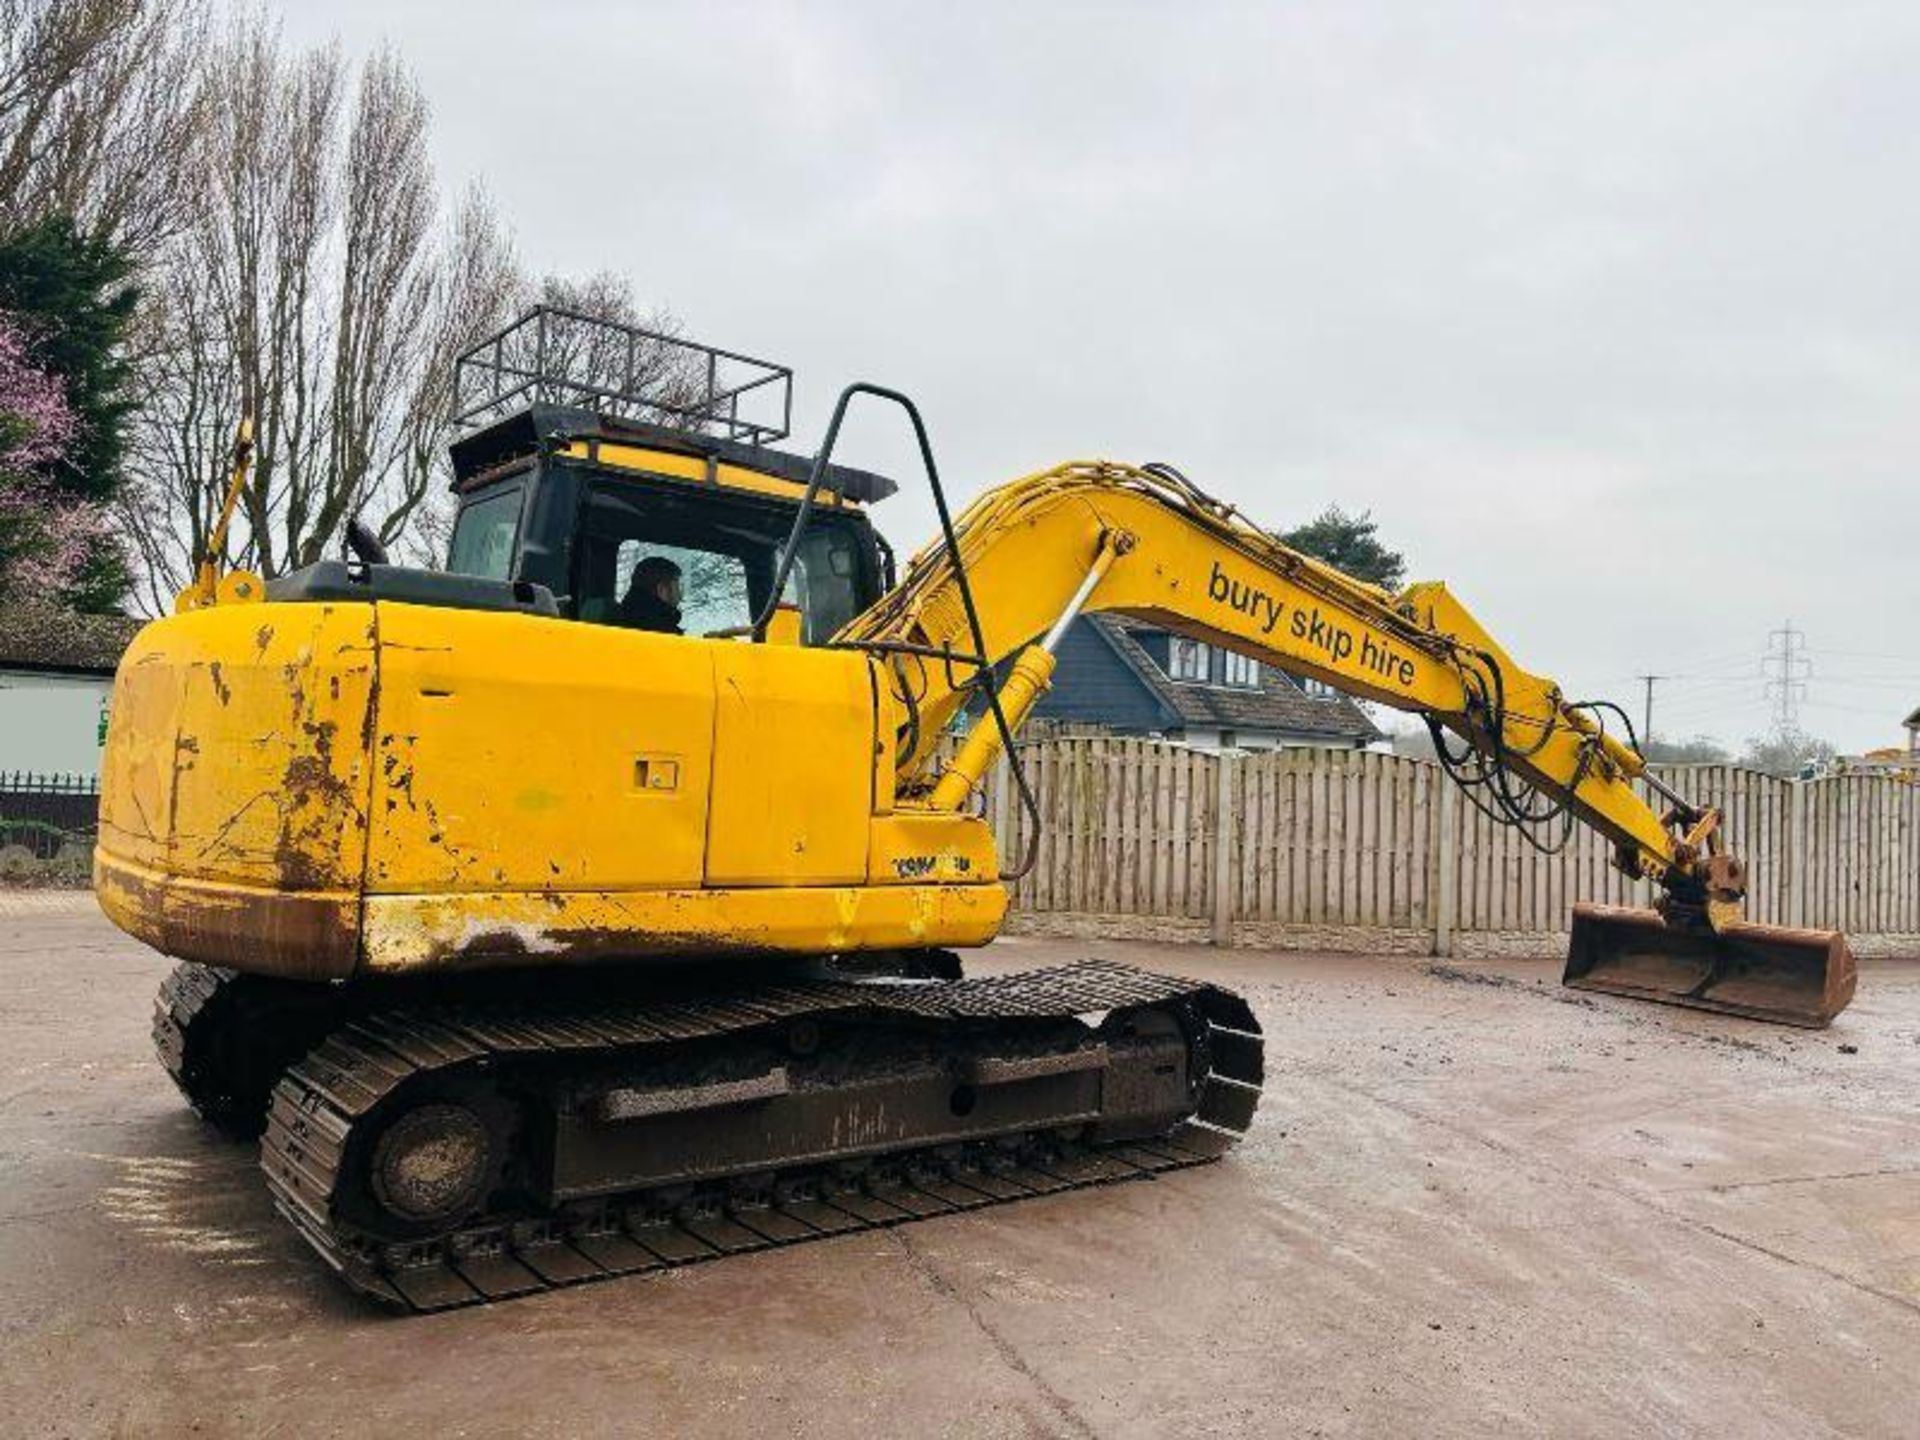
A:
[505,918]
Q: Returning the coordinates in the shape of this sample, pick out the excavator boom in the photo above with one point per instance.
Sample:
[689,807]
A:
[1153,546]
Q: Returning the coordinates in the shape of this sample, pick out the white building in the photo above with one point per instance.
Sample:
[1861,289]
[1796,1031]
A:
[56,674]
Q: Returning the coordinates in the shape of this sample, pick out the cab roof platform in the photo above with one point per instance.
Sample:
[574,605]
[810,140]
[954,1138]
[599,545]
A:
[555,376]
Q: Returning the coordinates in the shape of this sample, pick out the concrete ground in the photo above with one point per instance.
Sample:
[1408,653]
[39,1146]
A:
[1471,1202]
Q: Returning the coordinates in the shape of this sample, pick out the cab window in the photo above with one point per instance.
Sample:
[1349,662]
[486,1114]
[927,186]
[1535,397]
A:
[713,586]
[722,551]
[825,580]
[485,535]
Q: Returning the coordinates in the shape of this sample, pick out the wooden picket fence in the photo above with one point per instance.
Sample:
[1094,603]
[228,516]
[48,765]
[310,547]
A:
[1354,850]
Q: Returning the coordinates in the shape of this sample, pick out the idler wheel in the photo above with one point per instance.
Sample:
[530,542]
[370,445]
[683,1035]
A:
[433,1163]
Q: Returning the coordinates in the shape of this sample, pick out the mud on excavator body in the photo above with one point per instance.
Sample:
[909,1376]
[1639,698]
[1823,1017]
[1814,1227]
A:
[337,790]
[378,771]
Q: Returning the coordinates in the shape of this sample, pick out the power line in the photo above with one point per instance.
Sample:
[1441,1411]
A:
[1716,682]
[1722,684]
[1873,655]
[1850,709]
[1731,700]
[1707,667]
[1712,660]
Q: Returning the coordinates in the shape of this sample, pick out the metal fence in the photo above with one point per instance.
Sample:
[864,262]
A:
[47,822]
[1360,851]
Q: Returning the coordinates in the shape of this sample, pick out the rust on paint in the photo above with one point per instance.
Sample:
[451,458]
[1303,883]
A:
[264,932]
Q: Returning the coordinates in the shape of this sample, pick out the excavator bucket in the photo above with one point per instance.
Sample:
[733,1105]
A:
[1764,972]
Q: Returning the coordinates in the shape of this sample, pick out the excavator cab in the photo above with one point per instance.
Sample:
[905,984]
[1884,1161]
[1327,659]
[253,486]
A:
[574,502]
[595,447]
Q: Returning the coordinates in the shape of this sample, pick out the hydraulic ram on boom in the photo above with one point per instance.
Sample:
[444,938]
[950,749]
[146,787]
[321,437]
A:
[1153,546]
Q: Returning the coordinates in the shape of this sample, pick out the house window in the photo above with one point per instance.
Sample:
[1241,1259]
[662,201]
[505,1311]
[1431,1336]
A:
[1242,670]
[1319,690]
[1189,660]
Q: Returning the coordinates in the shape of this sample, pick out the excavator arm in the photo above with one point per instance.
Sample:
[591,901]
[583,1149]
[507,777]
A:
[1028,557]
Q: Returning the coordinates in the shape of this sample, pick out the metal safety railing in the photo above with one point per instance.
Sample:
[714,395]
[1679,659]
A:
[556,356]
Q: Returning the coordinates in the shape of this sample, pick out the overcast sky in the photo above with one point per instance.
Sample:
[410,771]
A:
[1608,314]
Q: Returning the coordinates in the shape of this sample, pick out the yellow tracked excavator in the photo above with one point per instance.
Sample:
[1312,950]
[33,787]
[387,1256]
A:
[588,905]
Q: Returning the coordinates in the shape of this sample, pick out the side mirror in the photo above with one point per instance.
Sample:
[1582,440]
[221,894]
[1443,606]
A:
[364,544]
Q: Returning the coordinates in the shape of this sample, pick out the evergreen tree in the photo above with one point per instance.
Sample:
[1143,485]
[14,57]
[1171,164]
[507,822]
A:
[1351,544]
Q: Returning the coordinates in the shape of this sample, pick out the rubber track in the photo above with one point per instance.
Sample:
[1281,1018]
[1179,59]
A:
[182,996]
[319,1100]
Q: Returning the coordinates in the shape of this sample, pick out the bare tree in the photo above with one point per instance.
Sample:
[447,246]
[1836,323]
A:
[479,286]
[178,444]
[315,283]
[1789,752]
[98,102]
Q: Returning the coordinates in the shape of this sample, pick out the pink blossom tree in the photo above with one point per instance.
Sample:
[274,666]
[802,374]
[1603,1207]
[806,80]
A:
[45,534]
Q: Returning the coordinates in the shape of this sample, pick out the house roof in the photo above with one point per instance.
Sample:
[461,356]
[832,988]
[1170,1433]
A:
[36,637]
[1279,704]
[1913,719]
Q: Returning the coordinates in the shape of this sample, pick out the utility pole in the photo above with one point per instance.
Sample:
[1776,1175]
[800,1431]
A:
[1646,723]
[1787,669]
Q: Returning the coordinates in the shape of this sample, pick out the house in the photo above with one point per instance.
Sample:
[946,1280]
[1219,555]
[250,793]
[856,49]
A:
[1913,733]
[1138,679]
[56,674]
